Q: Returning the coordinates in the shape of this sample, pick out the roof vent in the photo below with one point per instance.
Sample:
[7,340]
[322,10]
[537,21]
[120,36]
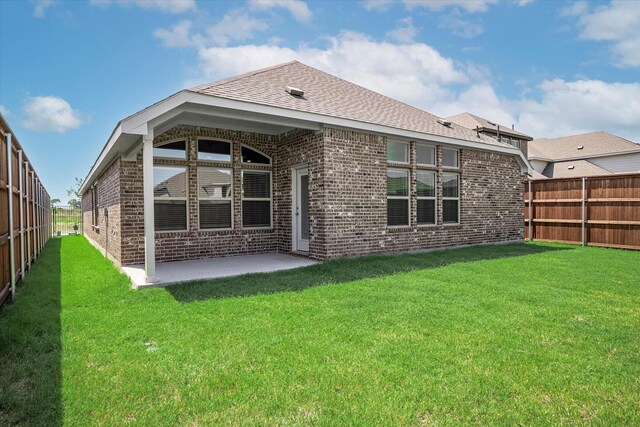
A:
[444,122]
[294,91]
[580,147]
[571,167]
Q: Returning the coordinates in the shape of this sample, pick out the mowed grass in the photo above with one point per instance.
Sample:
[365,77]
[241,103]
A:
[519,334]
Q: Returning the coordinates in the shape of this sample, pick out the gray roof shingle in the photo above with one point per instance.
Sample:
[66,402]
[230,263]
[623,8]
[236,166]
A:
[328,95]
[471,121]
[573,168]
[593,144]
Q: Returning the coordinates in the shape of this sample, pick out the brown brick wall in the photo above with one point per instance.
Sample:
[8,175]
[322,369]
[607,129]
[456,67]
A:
[347,193]
[107,234]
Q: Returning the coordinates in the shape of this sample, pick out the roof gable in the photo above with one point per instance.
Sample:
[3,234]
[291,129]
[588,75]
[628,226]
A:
[593,144]
[332,96]
[471,121]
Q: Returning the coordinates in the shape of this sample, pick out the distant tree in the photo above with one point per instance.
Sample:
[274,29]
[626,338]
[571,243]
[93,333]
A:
[55,201]
[74,192]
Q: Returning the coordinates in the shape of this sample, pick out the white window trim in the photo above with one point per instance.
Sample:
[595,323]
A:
[407,198]
[254,199]
[457,151]
[407,144]
[230,198]
[230,142]
[434,198]
[257,151]
[179,159]
[433,147]
[451,198]
[186,198]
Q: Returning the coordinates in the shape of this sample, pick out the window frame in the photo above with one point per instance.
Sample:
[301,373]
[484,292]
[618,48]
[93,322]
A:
[434,198]
[186,198]
[95,210]
[254,199]
[457,151]
[242,163]
[435,154]
[407,197]
[230,198]
[206,138]
[408,151]
[177,159]
[457,175]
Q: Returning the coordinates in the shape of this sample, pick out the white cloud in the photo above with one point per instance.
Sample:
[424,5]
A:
[377,5]
[297,8]
[575,9]
[178,36]
[168,6]
[405,32]
[618,23]
[235,25]
[470,6]
[415,73]
[524,2]
[569,107]
[50,114]
[41,6]
[4,111]
[459,26]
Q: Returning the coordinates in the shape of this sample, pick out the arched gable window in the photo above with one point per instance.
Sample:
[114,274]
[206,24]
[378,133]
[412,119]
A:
[171,150]
[249,155]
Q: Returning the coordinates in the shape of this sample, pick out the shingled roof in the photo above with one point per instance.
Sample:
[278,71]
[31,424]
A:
[593,144]
[332,96]
[471,121]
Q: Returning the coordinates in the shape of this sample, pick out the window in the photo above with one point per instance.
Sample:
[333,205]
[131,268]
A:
[250,155]
[171,150]
[397,152]
[450,197]
[256,199]
[214,150]
[170,197]
[397,197]
[450,158]
[425,154]
[214,197]
[426,197]
[95,213]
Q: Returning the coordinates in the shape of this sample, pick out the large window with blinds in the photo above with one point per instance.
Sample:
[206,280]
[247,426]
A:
[397,197]
[170,197]
[256,199]
[450,198]
[214,198]
[426,197]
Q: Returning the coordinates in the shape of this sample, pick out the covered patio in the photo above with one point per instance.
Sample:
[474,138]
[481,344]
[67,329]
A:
[168,273]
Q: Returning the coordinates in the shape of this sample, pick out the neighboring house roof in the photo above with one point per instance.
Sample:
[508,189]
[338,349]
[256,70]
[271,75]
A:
[329,95]
[471,121]
[260,97]
[594,144]
[572,168]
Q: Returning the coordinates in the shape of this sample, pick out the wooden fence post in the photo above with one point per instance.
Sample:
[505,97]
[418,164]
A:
[530,211]
[12,258]
[584,201]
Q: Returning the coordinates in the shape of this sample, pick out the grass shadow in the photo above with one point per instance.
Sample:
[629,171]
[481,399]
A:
[346,270]
[31,346]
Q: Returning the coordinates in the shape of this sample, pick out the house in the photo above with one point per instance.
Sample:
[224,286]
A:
[500,132]
[589,154]
[292,159]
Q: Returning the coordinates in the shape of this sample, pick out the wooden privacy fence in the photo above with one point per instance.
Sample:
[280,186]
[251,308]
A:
[24,213]
[596,211]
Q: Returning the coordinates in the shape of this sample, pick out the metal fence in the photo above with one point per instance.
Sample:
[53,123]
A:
[66,220]
[596,211]
[24,213]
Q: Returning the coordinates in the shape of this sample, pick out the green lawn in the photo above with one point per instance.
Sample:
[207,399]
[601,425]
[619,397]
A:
[520,334]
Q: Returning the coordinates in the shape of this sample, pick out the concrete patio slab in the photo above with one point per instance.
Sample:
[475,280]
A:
[214,268]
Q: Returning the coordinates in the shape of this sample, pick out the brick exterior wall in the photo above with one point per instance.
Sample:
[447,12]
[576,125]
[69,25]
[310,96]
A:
[347,197]
[107,232]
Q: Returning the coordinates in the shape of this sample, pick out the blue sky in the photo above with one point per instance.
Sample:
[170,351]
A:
[550,67]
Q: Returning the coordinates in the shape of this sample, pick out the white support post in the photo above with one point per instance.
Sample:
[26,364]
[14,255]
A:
[21,208]
[27,216]
[12,242]
[149,225]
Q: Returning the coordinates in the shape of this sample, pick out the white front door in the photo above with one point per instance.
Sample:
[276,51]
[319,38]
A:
[301,209]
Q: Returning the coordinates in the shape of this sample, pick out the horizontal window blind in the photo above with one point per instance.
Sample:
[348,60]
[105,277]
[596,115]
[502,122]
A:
[170,215]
